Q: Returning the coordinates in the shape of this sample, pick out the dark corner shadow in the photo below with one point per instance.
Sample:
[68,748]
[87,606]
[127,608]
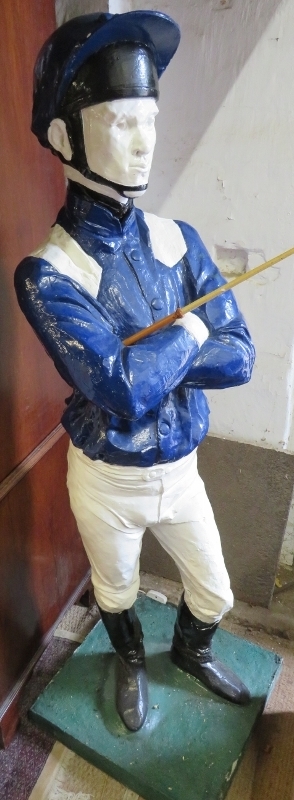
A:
[274,744]
[199,78]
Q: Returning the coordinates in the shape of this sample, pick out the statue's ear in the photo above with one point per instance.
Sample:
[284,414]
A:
[58,138]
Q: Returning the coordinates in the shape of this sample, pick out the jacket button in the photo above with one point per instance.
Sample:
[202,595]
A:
[135,255]
[157,303]
[164,428]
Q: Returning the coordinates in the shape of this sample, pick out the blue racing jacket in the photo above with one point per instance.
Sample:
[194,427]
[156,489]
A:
[103,275]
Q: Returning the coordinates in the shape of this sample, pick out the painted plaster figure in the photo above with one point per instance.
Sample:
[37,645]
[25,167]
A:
[138,413]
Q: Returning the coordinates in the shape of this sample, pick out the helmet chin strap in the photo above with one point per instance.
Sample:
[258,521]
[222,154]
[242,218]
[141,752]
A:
[125,191]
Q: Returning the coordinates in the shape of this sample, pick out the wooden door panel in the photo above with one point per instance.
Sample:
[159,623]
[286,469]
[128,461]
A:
[31,191]
[43,566]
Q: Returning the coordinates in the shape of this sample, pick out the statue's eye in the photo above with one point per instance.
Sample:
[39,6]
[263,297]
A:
[121,124]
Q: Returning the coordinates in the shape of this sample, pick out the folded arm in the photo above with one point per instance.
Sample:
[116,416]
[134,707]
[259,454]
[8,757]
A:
[227,356]
[79,337]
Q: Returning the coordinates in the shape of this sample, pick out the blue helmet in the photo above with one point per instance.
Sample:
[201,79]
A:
[98,57]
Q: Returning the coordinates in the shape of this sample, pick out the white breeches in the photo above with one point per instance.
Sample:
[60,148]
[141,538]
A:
[113,506]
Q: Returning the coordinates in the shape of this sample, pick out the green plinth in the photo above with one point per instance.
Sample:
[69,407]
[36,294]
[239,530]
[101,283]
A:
[192,740]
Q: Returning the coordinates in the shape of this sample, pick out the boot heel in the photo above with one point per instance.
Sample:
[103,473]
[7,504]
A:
[125,633]
[191,652]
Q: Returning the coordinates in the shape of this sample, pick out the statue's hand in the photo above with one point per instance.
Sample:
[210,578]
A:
[194,326]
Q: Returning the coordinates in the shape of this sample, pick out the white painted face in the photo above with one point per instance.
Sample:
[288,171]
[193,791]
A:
[119,138]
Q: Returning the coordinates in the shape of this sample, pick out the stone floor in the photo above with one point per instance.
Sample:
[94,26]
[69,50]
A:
[267,770]
[283,599]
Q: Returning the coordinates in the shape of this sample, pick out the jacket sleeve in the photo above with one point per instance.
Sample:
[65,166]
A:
[78,335]
[226,358]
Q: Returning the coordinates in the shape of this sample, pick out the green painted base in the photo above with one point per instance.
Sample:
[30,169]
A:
[191,742]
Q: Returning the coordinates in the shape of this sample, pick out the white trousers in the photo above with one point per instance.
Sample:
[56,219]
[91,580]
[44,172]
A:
[113,506]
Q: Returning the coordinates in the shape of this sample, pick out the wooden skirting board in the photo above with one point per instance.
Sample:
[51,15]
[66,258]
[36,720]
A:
[9,710]
[43,566]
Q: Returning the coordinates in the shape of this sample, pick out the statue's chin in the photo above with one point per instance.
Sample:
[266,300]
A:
[71,173]
[135,192]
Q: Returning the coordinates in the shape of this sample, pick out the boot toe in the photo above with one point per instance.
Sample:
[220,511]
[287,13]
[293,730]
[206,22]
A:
[216,676]
[225,682]
[131,694]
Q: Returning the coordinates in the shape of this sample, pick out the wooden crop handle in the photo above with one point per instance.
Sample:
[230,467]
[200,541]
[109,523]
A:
[225,287]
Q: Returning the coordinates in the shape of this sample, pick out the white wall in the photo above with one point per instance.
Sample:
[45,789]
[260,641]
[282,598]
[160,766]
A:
[225,163]
[67,9]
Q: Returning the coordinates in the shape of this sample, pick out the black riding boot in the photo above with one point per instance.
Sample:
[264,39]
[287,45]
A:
[191,651]
[125,633]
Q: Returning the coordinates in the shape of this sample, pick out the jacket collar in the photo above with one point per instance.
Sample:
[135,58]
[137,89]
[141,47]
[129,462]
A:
[98,215]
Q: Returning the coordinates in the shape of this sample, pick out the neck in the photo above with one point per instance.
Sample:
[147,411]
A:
[74,175]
